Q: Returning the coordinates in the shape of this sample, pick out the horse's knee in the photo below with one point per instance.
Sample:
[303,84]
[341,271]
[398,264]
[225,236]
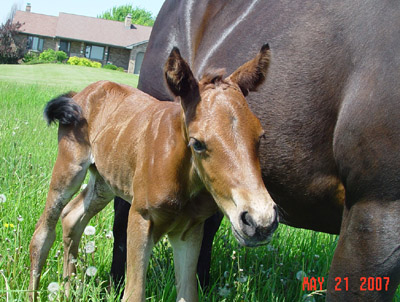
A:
[368,249]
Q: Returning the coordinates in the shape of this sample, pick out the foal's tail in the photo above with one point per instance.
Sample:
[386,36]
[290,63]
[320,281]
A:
[63,109]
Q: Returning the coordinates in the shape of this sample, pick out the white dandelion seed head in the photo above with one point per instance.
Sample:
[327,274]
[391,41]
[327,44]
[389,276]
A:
[53,287]
[20,218]
[224,291]
[91,271]
[90,247]
[300,275]
[89,230]
[109,235]
[3,198]
[242,279]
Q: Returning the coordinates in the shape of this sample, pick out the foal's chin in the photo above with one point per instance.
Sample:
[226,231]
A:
[252,241]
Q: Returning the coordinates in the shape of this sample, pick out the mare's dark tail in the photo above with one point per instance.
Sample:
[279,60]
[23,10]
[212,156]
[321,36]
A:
[63,109]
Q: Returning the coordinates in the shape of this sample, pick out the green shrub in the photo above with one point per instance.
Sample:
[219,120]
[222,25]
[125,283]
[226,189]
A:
[61,56]
[83,62]
[120,69]
[73,61]
[48,56]
[110,66]
[96,64]
[31,57]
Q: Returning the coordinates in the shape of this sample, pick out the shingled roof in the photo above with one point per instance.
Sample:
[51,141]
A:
[82,28]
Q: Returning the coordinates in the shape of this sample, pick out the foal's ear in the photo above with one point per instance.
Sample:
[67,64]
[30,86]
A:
[252,73]
[180,79]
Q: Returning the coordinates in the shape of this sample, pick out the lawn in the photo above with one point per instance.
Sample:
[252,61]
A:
[59,75]
[27,152]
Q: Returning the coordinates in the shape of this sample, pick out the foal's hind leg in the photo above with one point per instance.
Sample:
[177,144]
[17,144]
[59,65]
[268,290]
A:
[68,173]
[77,215]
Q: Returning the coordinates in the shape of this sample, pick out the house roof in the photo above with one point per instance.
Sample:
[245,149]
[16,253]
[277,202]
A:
[82,28]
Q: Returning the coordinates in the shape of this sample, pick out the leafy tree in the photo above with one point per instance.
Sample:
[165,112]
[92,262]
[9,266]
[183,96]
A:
[11,49]
[139,16]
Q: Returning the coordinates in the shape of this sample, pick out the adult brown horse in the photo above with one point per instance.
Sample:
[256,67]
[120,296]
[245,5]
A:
[170,160]
[330,108]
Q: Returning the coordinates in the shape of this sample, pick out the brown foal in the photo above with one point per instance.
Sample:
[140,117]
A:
[175,162]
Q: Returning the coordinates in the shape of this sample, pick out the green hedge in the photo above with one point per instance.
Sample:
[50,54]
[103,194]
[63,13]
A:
[83,62]
[110,66]
[47,56]
[113,67]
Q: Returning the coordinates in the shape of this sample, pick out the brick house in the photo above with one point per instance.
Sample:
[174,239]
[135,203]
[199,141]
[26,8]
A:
[120,43]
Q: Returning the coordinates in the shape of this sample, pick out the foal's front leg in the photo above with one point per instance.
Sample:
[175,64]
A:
[186,245]
[139,245]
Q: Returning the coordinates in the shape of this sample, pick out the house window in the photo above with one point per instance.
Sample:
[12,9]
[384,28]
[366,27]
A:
[35,43]
[65,46]
[94,52]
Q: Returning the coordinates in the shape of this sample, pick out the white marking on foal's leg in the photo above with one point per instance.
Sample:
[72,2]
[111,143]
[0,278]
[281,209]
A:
[186,256]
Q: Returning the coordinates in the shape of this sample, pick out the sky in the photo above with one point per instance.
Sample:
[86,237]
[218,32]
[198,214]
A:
[90,8]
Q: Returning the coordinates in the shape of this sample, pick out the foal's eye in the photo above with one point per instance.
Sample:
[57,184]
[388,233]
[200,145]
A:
[198,146]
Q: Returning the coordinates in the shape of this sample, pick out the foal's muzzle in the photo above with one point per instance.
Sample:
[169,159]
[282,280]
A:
[253,234]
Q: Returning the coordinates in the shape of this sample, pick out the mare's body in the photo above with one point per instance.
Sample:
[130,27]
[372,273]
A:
[330,108]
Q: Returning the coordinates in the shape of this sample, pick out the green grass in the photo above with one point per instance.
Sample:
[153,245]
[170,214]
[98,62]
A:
[62,76]
[27,152]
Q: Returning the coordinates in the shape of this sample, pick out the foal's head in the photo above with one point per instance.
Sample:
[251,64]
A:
[224,137]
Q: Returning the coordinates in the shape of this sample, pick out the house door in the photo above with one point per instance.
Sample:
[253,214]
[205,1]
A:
[138,62]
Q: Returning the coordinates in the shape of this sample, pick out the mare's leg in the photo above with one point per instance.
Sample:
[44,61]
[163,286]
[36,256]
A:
[366,149]
[211,226]
[367,258]
[121,213]
[68,174]
[139,244]
[186,248]
[77,215]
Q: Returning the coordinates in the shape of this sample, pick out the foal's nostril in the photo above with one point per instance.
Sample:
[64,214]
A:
[248,224]
[257,232]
